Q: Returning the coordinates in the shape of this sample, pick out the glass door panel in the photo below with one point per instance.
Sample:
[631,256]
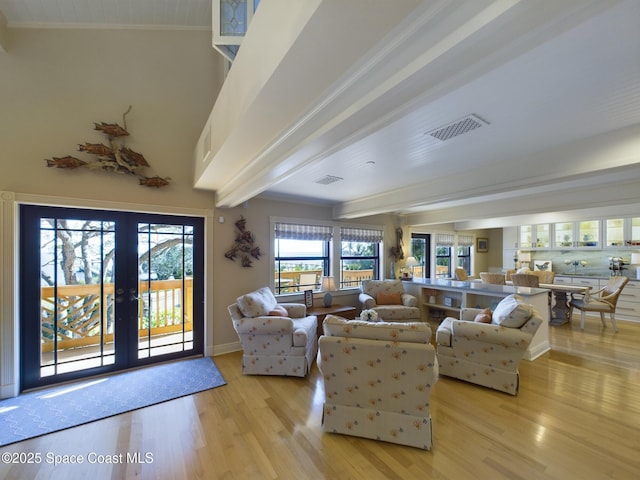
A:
[525,236]
[77,295]
[542,236]
[614,232]
[165,287]
[563,234]
[635,231]
[589,233]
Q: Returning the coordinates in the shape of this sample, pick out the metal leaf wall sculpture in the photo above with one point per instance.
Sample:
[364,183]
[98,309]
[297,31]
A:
[115,157]
[244,247]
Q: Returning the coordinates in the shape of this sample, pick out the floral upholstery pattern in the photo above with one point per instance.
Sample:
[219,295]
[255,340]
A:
[406,311]
[272,344]
[378,379]
[486,354]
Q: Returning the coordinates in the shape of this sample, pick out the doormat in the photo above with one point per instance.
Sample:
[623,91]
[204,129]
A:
[49,410]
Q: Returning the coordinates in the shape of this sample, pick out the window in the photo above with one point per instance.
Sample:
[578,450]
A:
[359,255]
[420,248]
[301,256]
[305,251]
[444,246]
[465,244]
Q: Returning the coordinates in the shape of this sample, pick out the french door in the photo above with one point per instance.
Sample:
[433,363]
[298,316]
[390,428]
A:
[102,291]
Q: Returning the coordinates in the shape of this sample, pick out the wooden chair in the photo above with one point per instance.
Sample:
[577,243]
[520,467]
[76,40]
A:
[493,278]
[604,302]
[525,280]
[461,274]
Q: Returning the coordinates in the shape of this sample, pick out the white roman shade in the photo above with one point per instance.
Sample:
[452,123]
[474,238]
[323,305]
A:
[445,240]
[465,240]
[299,231]
[368,235]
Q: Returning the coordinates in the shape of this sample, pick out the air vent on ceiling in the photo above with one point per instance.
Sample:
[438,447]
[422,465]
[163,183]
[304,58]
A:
[328,179]
[464,125]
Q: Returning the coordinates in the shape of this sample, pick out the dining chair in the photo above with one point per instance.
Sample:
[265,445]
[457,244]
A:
[493,278]
[604,302]
[461,274]
[525,280]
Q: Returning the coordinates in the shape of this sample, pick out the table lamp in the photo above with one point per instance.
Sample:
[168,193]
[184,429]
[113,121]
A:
[328,286]
[411,262]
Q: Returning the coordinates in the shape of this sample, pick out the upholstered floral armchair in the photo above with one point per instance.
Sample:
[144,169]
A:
[388,299]
[378,379]
[485,347]
[277,339]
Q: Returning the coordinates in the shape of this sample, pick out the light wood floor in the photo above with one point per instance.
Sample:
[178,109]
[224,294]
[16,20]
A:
[577,416]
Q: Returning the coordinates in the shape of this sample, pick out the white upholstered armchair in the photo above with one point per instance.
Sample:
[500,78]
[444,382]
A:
[388,299]
[378,379]
[488,354]
[277,338]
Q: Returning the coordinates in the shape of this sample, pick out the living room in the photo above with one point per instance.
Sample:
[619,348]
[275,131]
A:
[57,82]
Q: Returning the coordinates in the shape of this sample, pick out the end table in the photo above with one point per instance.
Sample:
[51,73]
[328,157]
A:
[344,311]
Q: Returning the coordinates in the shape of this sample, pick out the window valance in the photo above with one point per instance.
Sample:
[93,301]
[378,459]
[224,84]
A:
[350,234]
[298,231]
[445,240]
[465,240]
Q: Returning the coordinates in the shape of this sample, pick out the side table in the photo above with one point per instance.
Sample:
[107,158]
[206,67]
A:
[344,311]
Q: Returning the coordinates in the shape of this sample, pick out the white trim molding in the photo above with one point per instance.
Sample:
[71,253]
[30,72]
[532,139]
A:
[9,314]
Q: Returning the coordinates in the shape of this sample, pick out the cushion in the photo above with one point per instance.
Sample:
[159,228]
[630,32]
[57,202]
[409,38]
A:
[413,332]
[512,312]
[258,303]
[279,311]
[384,298]
[484,316]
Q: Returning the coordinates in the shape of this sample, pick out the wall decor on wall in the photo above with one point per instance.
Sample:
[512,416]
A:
[115,157]
[243,247]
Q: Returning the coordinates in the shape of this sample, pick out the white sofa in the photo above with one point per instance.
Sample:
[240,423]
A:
[277,339]
[378,379]
[488,354]
[388,299]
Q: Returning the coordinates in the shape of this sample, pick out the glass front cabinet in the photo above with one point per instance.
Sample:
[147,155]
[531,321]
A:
[586,234]
[622,232]
[534,236]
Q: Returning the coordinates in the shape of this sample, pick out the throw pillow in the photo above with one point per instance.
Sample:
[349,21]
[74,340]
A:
[279,311]
[384,298]
[512,312]
[258,303]
[484,316]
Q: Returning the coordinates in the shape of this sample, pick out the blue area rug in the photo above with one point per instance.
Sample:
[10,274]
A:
[45,411]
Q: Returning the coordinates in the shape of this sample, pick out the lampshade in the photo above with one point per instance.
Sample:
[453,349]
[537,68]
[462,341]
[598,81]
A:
[411,262]
[635,258]
[328,284]
[525,256]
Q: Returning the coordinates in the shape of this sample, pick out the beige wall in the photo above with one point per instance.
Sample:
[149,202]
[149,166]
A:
[55,83]
[232,280]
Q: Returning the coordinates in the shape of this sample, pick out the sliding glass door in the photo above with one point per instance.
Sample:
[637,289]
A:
[104,291]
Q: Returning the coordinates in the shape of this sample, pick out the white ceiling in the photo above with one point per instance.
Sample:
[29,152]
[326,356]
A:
[354,92]
[558,82]
[113,13]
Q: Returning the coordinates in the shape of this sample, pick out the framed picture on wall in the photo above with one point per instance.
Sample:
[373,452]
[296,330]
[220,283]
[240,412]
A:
[308,298]
[482,245]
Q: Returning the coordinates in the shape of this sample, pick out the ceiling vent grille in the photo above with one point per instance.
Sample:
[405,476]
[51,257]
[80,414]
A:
[328,179]
[468,123]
